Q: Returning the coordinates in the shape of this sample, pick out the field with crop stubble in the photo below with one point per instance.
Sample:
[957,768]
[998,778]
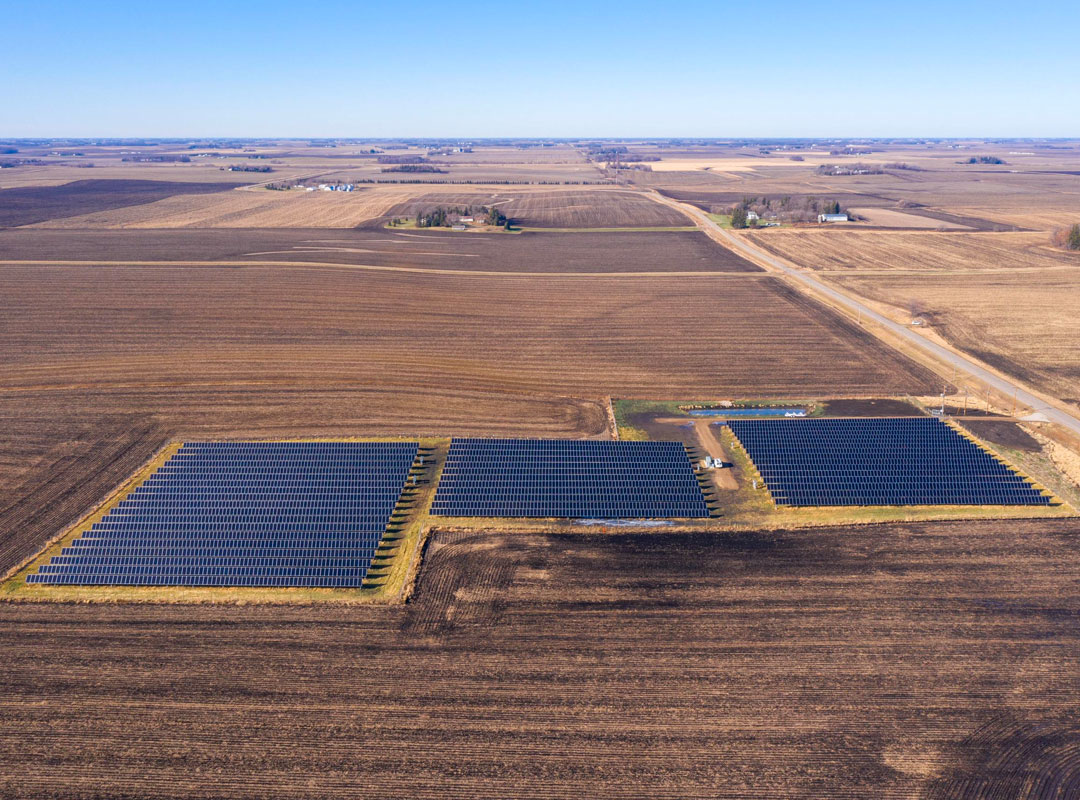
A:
[548,253]
[288,351]
[1008,299]
[913,661]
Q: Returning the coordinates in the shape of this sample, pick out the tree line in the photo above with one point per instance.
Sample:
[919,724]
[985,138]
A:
[446,216]
[785,209]
[1067,238]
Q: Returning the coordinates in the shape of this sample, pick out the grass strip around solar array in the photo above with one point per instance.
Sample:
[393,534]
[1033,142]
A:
[284,514]
[894,462]
[568,478]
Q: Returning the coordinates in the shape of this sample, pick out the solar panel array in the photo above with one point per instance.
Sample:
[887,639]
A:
[904,461]
[568,478]
[245,514]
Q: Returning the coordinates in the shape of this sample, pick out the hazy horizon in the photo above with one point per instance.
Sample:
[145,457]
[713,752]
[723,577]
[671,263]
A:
[601,70]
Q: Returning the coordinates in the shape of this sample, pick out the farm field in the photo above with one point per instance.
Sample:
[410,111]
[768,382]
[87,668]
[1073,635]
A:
[1034,189]
[254,208]
[891,218]
[34,204]
[900,661]
[1007,299]
[563,209]
[257,207]
[929,251]
[60,173]
[915,660]
[242,351]
[567,335]
[535,252]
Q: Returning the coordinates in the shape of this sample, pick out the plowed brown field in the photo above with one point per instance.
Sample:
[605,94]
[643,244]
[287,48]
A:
[560,209]
[905,661]
[34,204]
[549,252]
[207,351]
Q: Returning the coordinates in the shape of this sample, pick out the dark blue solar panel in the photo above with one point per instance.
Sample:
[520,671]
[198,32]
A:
[568,478]
[245,514]
[902,461]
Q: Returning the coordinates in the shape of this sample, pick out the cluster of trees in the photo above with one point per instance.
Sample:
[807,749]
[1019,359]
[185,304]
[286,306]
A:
[784,209]
[738,218]
[446,216]
[985,160]
[601,152]
[625,167]
[621,154]
[248,168]
[495,217]
[414,168]
[162,159]
[1068,238]
[850,169]
[401,160]
[438,217]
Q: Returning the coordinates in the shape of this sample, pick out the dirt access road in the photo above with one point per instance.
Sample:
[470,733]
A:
[721,478]
[1005,385]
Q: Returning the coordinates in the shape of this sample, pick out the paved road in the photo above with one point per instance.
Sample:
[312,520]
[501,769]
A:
[960,362]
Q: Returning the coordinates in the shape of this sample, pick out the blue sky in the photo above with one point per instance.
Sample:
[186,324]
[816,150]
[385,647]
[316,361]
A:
[540,69]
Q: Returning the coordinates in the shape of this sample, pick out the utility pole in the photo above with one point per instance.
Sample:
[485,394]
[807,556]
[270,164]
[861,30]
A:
[965,400]
[988,402]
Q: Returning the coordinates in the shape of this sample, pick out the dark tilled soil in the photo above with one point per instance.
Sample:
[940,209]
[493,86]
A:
[1004,433]
[26,205]
[69,465]
[557,209]
[901,661]
[665,431]
[978,223]
[206,351]
[872,408]
[639,251]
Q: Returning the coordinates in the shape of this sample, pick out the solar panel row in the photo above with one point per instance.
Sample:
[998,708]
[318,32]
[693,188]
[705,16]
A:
[903,461]
[568,478]
[246,514]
